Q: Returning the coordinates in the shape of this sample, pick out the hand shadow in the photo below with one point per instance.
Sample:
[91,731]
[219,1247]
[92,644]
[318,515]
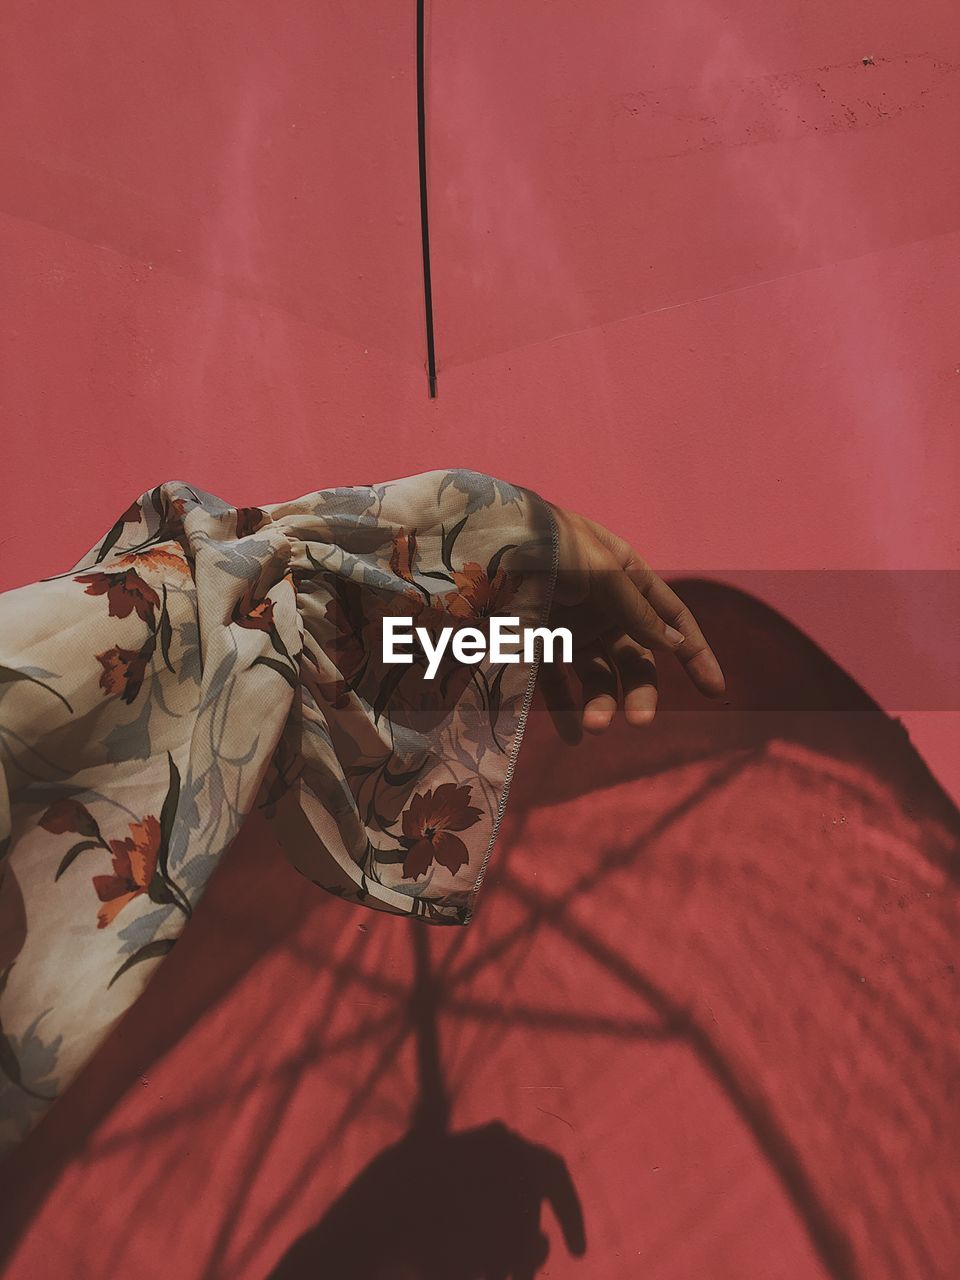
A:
[443,1206]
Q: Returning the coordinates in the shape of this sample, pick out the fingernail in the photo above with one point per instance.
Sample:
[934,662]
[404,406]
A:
[675,637]
[596,721]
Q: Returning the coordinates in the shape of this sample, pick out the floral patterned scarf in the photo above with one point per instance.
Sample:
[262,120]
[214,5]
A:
[202,660]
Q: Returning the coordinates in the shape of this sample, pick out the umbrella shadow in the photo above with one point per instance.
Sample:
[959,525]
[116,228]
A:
[467,1205]
[481,1193]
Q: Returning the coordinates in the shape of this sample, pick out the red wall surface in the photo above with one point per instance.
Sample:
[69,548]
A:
[695,276]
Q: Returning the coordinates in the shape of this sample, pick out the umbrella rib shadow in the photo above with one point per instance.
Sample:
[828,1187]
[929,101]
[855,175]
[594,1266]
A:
[831,1243]
[608,864]
[284,1092]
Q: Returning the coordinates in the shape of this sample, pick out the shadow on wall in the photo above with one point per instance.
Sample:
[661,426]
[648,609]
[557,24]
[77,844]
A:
[765,888]
[450,1205]
[461,1206]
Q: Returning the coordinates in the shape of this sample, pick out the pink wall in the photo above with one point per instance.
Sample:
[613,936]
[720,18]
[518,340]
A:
[694,269]
[695,276]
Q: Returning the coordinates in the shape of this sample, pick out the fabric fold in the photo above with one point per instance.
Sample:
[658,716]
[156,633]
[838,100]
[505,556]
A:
[204,659]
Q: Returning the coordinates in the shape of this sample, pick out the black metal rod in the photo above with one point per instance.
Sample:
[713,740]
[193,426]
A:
[424,220]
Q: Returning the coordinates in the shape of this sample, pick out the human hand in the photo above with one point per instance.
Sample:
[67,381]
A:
[619,613]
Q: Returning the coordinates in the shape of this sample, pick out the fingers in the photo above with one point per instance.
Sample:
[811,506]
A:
[557,693]
[693,651]
[558,1189]
[695,654]
[637,669]
[609,591]
[616,673]
[600,686]
[629,609]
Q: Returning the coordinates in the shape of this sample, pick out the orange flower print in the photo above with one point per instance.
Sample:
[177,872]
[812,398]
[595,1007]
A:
[249,520]
[255,615]
[172,520]
[134,865]
[126,593]
[403,554]
[478,595]
[124,671]
[428,826]
[157,558]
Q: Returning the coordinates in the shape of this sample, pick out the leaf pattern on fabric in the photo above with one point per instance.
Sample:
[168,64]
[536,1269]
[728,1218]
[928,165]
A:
[203,660]
[480,490]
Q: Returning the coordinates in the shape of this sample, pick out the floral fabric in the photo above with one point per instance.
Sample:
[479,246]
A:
[202,659]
